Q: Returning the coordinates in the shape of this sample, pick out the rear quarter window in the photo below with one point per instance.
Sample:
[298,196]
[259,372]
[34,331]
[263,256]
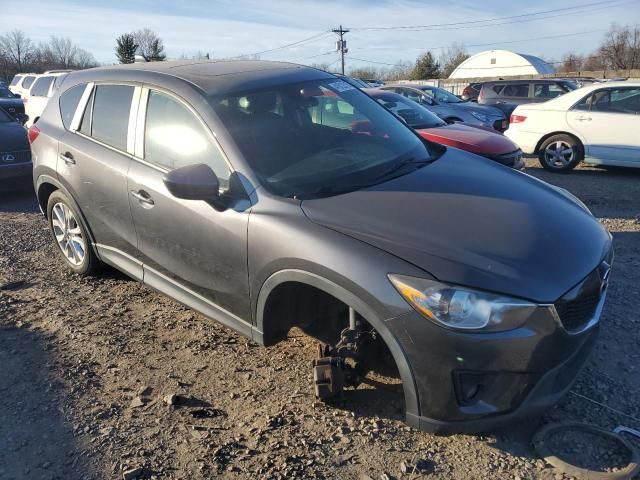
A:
[15,80]
[69,103]
[41,87]
[28,81]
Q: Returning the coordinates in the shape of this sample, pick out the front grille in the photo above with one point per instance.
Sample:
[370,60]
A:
[578,307]
[8,158]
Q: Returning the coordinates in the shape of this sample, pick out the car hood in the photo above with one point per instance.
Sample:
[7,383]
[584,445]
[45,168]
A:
[13,137]
[469,221]
[474,107]
[470,138]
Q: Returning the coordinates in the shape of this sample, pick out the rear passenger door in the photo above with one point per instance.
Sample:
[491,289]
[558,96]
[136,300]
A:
[190,250]
[93,162]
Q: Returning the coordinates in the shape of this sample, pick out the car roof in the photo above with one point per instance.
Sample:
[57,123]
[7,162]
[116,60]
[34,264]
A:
[210,76]
[570,98]
[525,80]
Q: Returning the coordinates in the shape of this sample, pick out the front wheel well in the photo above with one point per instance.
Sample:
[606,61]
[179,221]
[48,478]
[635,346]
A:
[44,192]
[549,135]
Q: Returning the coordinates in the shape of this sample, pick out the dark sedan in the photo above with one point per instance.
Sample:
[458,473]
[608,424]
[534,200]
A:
[10,102]
[15,155]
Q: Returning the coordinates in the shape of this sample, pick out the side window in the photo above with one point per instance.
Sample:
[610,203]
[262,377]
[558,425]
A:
[41,87]
[110,118]
[547,90]
[26,83]
[618,100]
[520,90]
[69,103]
[498,88]
[15,80]
[174,137]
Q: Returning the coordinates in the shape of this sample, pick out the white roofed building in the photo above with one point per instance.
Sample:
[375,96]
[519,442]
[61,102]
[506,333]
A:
[501,63]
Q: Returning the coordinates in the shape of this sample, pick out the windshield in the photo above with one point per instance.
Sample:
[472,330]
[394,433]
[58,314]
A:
[319,138]
[411,112]
[6,93]
[441,96]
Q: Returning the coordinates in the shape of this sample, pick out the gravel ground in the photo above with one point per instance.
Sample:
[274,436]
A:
[90,365]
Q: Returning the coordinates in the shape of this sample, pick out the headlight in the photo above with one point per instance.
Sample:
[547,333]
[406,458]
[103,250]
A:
[480,116]
[462,308]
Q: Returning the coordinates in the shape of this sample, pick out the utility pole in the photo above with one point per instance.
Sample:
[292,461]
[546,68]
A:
[341,45]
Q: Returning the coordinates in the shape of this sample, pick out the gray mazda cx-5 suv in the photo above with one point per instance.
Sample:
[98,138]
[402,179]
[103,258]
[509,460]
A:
[270,195]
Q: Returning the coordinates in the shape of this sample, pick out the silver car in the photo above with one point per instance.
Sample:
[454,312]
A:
[451,108]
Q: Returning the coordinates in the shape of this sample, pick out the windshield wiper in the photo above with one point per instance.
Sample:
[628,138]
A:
[398,167]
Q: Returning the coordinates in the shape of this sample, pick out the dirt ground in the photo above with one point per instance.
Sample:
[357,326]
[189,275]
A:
[85,365]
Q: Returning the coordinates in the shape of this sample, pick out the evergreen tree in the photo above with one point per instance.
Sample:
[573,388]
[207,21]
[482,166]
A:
[156,52]
[426,67]
[126,48]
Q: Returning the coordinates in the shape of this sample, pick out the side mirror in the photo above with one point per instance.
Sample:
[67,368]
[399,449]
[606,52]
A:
[22,118]
[193,182]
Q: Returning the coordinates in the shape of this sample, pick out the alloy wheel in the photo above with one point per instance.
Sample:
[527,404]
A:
[68,234]
[559,154]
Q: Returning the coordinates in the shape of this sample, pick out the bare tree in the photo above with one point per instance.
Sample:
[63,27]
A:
[451,57]
[571,62]
[17,48]
[150,46]
[84,59]
[620,49]
[63,51]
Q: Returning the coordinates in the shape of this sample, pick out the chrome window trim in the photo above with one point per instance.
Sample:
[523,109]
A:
[133,115]
[77,116]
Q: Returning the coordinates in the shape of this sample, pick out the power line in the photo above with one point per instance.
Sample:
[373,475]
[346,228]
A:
[288,45]
[476,23]
[489,44]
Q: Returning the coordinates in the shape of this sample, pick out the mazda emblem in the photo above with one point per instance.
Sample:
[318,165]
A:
[8,158]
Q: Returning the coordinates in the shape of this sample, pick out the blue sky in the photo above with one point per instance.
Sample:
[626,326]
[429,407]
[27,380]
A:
[227,28]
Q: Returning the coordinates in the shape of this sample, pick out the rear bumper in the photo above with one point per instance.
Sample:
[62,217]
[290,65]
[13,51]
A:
[527,141]
[468,383]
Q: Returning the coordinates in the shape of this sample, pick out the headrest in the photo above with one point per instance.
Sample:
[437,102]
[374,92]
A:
[259,102]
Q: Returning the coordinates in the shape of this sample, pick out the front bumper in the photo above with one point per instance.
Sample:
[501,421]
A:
[16,171]
[473,382]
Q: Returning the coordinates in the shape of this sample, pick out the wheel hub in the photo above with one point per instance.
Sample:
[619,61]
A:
[68,234]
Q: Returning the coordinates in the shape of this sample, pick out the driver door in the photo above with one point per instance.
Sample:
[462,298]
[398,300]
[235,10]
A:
[190,251]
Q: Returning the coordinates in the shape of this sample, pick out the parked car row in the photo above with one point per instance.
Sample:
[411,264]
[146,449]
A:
[271,195]
[35,90]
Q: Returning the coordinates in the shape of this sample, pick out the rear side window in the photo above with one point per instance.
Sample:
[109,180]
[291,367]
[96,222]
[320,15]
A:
[174,137]
[41,87]
[547,90]
[110,118]
[26,83]
[69,103]
[498,88]
[517,90]
[58,81]
[15,80]
[618,100]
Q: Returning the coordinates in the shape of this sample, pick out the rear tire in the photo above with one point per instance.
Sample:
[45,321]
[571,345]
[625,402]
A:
[70,235]
[560,153]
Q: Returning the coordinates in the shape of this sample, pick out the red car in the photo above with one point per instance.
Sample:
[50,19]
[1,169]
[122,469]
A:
[479,140]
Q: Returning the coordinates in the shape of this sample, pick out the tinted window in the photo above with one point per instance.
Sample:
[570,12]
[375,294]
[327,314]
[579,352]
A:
[174,137]
[619,100]
[110,119]
[585,103]
[26,83]
[15,80]
[69,102]
[85,124]
[498,88]
[303,143]
[547,90]
[441,95]
[517,90]
[41,87]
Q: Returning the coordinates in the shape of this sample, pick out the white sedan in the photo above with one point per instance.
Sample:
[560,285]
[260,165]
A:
[598,124]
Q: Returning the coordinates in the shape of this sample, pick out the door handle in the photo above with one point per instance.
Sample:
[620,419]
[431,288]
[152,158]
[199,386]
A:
[143,197]
[582,118]
[67,158]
